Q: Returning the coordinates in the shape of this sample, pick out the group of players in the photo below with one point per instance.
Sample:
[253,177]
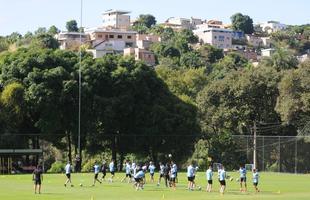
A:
[169,172]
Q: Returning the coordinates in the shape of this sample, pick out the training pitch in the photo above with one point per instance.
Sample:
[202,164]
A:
[272,185]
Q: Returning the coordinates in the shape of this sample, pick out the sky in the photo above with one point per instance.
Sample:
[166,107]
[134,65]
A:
[27,15]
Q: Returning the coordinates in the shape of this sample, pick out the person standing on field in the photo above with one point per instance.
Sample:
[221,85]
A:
[209,175]
[37,177]
[68,170]
[255,179]
[242,172]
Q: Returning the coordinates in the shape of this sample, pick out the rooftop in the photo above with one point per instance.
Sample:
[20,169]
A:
[113,11]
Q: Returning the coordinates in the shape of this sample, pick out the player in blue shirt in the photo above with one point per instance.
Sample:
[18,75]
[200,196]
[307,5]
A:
[222,180]
[191,176]
[255,179]
[139,176]
[209,175]
[152,171]
[96,172]
[242,172]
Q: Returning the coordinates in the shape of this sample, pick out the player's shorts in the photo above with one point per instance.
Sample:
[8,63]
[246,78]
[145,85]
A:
[37,182]
[161,175]
[255,184]
[112,173]
[138,180]
[68,176]
[152,174]
[210,182]
[191,178]
[223,182]
[243,179]
[172,179]
[128,175]
[96,176]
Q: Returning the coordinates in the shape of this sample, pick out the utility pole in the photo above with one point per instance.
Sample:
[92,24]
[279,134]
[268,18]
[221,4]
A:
[254,145]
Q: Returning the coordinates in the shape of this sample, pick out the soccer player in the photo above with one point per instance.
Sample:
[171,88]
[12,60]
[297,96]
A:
[37,177]
[255,179]
[209,174]
[112,170]
[173,175]
[127,171]
[190,176]
[242,172]
[134,168]
[103,170]
[139,176]
[222,180]
[161,172]
[68,174]
[96,171]
[166,174]
[219,168]
[152,171]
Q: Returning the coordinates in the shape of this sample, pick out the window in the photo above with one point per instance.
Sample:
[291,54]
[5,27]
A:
[119,36]
[128,36]
[111,36]
[215,37]
[221,38]
[99,36]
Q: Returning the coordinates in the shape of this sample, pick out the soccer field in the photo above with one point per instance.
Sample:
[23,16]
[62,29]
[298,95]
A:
[272,185]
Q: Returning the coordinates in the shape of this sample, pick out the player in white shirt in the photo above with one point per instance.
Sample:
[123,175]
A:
[133,168]
[68,174]
[255,179]
[173,175]
[161,172]
[209,175]
[152,171]
[96,173]
[127,171]
[112,170]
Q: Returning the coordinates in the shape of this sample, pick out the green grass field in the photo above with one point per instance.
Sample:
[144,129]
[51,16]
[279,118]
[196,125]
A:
[272,185]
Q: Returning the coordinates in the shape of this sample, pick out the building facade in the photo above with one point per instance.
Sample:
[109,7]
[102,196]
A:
[220,38]
[116,19]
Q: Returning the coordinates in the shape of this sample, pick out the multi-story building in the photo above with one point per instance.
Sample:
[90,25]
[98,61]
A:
[71,40]
[178,23]
[272,26]
[143,41]
[116,19]
[141,54]
[221,38]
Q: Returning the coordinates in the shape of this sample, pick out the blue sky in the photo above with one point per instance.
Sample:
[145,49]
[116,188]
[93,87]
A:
[28,15]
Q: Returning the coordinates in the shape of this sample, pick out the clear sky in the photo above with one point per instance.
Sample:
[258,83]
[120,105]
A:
[28,15]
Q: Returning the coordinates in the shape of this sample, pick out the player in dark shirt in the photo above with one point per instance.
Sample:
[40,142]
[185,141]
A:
[37,177]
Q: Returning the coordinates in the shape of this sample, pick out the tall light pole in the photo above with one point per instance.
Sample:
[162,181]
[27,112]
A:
[254,145]
[80,80]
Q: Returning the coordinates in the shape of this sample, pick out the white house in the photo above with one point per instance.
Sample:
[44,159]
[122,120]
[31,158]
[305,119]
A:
[218,37]
[117,19]
[272,26]
[267,52]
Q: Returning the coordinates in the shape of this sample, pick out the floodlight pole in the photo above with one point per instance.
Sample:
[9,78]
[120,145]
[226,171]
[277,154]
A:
[80,81]
[254,145]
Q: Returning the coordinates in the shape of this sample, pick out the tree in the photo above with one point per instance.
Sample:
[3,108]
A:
[293,102]
[145,20]
[192,59]
[242,22]
[210,53]
[53,30]
[40,30]
[44,41]
[72,26]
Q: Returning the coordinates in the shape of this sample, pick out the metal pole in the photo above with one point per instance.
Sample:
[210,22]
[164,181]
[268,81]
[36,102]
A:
[279,154]
[296,156]
[263,166]
[254,146]
[80,81]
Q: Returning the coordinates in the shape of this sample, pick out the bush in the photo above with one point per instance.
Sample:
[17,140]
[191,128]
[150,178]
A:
[57,167]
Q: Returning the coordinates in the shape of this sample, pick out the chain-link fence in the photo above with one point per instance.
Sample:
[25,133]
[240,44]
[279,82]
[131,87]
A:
[277,153]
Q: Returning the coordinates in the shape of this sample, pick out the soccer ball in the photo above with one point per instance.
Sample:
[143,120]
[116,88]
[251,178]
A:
[169,155]
[199,188]
[81,185]
[231,179]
